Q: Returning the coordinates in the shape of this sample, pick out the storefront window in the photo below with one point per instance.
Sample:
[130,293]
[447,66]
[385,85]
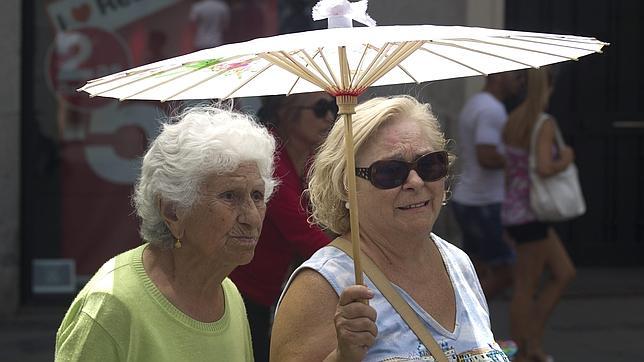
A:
[81,155]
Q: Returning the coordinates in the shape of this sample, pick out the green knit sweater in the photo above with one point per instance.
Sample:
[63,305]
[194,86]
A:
[120,315]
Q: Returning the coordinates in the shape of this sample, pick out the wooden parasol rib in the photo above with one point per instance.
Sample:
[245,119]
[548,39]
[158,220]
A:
[328,67]
[398,65]
[401,53]
[433,42]
[453,60]
[372,64]
[364,53]
[284,63]
[578,40]
[135,80]
[548,43]
[129,96]
[248,80]
[311,61]
[516,47]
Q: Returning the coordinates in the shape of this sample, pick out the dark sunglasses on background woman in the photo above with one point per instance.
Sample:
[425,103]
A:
[322,107]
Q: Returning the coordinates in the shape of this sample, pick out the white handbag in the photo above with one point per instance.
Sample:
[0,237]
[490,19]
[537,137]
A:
[557,197]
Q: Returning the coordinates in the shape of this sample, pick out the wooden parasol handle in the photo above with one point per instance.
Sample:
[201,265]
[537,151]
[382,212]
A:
[347,105]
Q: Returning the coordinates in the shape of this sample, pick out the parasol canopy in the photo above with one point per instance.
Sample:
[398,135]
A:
[309,61]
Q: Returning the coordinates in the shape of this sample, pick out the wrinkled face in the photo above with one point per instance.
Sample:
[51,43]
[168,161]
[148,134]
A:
[309,118]
[410,209]
[226,221]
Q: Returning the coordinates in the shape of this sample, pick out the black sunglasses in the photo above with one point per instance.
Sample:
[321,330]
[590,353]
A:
[322,107]
[387,174]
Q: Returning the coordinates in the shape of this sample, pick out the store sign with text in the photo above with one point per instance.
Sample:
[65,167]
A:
[107,14]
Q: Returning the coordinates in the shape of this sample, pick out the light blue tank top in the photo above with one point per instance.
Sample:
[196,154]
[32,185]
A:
[471,340]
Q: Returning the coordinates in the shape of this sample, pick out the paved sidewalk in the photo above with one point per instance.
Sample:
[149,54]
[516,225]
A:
[588,329]
[601,318]
[30,335]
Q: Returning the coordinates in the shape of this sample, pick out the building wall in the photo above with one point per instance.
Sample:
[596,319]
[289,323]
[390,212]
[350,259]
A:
[10,48]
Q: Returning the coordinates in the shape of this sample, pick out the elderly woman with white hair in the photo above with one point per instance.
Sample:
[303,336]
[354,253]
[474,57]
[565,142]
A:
[201,198]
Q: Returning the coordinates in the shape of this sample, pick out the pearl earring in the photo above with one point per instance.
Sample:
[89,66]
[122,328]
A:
[446,196]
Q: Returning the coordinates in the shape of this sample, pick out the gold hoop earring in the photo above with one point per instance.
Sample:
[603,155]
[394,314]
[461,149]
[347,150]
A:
[177,244]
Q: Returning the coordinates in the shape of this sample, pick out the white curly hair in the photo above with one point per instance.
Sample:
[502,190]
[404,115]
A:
[199,142]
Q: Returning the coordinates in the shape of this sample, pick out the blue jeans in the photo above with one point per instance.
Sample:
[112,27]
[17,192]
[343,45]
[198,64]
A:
[483,233]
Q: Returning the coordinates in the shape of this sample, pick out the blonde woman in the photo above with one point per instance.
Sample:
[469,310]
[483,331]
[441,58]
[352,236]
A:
[402,167]
[537,244]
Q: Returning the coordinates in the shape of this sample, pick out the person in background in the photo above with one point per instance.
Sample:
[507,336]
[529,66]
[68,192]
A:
[201,199]
[402,165]
[538,245]
[209,19]
[300,122]
[478,194]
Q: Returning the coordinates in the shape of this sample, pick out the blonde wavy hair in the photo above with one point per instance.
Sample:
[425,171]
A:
[518,128]
[326,188]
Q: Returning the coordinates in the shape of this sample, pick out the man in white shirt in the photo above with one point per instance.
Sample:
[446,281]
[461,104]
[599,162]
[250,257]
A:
[479,192]
[210,18]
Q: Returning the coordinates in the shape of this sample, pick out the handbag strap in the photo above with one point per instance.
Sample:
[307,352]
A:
[404,310]
[532,155]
